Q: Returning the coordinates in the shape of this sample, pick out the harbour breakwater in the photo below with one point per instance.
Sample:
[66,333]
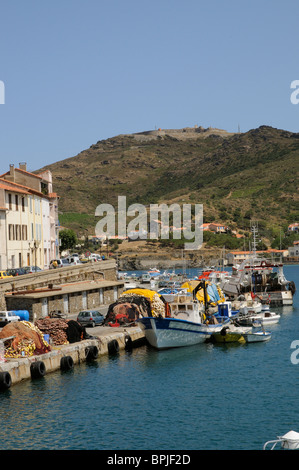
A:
[145,263]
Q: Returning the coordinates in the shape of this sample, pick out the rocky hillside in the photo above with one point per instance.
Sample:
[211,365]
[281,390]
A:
[235,176]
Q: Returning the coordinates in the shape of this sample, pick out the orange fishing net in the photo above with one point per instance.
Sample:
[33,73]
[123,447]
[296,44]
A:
[27,340]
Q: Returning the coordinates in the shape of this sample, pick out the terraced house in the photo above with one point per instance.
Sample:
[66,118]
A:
[28,218]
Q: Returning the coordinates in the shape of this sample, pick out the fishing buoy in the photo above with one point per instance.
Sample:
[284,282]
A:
[5,380]
[91,353]
[113,347]
[66,363]
[37,369]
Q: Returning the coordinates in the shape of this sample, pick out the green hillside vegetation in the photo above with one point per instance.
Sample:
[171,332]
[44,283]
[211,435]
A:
[237,177]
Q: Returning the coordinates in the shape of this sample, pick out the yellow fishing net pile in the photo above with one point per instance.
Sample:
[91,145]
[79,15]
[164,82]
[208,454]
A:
[157,305]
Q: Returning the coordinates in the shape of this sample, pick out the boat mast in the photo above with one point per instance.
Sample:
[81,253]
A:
[254,229]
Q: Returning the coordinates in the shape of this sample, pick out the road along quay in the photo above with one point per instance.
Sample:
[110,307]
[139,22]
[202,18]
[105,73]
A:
[104,340]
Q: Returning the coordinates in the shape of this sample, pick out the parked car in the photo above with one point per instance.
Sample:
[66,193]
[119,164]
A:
[5,275]
[60,263]
[7,317]
[90,318]
[32,269]
[16,271]
[95,257]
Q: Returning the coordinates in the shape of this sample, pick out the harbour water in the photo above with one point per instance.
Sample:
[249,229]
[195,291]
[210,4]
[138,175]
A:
[204,397]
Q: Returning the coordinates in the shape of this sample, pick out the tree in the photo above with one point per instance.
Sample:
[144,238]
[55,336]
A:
[68,239]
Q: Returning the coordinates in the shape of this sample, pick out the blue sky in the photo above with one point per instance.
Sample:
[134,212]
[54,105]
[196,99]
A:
[78,72]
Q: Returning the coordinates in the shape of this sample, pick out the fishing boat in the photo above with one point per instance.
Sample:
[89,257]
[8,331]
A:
[154,272]
[250,318]
[258,336]
[257,275]
[290,441]
[190,322]
[261,277]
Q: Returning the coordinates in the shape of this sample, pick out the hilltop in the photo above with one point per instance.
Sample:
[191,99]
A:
[236,176]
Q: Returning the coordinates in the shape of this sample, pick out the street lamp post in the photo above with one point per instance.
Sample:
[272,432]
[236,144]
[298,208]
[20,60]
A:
[33,245]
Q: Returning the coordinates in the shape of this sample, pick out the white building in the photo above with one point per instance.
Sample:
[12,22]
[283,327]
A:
[28,219]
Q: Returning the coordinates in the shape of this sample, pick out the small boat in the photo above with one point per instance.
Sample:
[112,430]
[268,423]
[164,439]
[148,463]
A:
[154,272]
[257,337]
[230,334]
[290,441]
[266,318]
[250,318]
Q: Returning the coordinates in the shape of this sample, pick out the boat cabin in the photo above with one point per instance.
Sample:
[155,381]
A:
[186,309]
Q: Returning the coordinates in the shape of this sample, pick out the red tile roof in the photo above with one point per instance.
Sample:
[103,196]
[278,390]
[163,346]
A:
[22,171]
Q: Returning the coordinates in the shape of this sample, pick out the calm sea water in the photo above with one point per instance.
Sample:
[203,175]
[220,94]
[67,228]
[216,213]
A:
[206,397]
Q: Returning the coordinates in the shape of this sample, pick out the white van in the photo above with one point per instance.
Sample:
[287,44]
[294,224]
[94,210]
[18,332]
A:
[73,260]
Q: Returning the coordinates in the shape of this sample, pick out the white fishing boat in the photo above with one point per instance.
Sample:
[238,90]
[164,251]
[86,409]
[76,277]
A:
[189,324]
[289,441]
[266,318]
[256,337]
[250,318]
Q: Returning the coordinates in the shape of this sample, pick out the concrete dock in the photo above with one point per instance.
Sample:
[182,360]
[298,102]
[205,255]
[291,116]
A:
[105,340]
[70,290]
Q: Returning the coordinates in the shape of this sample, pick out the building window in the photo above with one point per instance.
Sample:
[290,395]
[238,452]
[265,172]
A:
[23,204]
[9,202]
[24,232]
[11,232]
[17,202]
